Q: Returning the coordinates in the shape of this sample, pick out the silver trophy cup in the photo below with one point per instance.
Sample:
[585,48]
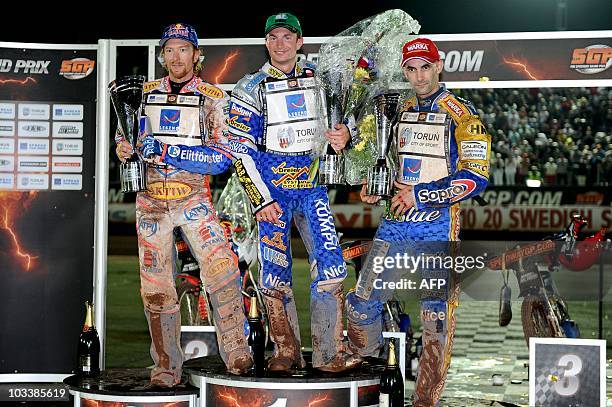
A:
[331,164]
[380,177]
[126,96]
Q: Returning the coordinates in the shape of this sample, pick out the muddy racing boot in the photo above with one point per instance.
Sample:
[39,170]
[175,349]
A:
[341,363]
[284,330]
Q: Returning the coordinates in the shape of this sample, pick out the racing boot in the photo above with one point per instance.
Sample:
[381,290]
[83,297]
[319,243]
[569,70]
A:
[435,359]
[229,318]
[284,330]
[328,346]
[166,353]
[342,362]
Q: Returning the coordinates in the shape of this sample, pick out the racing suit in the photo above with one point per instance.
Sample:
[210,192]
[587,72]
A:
[176,198]
[442,149]
[274,116]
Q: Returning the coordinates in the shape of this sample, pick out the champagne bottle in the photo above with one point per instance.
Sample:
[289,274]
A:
[391,382]
[89,346]
[257,338]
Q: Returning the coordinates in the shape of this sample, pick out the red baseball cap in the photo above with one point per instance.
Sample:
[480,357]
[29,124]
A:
[420,48]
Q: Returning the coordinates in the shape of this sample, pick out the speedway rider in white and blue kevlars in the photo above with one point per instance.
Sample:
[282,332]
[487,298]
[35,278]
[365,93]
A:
[274,113]
[442,150]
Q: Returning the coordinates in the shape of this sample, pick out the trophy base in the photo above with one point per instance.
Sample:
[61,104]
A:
[331,169]
[133,175]
[379,182]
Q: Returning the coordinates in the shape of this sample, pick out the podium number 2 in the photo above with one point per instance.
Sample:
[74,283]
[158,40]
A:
[569,384]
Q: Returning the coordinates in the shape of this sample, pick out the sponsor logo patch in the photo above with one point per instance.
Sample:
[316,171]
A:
[274,256]
[196,212]
[275,241]
[411,170]
[296,105]
[459,189]
[592,59]
[169,119]
[473,150]
[168,190]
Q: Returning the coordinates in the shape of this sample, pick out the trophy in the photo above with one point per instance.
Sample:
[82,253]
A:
[126,95]
[331,163]
[380,177]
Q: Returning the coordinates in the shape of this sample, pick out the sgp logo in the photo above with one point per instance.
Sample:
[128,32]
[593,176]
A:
[592,59]
[77,68]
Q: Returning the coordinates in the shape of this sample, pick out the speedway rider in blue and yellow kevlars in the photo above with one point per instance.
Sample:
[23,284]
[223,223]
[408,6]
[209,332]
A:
[443,156]
[274,112]
[184,109]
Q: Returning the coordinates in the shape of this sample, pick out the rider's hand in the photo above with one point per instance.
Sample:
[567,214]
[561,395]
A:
[270,213]
[370,199]
[124,150]
[339,137]
[150,147]
[403,200]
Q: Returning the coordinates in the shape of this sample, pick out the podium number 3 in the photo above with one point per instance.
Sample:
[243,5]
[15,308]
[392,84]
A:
[569,384]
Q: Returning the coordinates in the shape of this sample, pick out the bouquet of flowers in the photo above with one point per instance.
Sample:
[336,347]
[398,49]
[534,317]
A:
[358,63]
[363,154]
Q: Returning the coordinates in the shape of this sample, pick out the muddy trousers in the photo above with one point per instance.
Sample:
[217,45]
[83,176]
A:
[156,220]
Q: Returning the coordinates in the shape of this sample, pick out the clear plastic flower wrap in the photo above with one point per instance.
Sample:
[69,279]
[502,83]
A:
[357,64]
[353,67]
[234,205]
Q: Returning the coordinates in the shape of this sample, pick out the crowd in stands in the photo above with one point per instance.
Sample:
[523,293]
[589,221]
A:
[561,136]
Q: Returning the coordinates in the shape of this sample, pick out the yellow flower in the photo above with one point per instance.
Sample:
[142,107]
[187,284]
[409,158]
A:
[361,74]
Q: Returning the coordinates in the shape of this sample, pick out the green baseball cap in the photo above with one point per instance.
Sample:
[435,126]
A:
[286,20]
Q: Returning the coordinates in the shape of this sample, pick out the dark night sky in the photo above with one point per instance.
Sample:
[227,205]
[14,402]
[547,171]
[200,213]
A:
[72,22]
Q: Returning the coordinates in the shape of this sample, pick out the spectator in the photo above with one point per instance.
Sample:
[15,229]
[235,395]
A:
[511,163]
[497,169]
[562,170]
[550,172]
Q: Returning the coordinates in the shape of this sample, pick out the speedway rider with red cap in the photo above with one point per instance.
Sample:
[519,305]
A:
[442,150]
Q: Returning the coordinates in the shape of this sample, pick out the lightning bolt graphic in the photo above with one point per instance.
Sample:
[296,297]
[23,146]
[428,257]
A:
[515,62]
[231,399]
[521,65]
[13,205]
[316,401]
[228,59]
[17,81]
[253,399]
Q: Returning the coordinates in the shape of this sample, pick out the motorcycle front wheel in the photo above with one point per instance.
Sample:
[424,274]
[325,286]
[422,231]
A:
[536,319]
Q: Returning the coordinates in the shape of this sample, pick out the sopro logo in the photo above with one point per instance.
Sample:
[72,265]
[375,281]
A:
[458,190]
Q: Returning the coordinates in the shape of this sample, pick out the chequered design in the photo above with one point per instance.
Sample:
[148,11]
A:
[483,348]
[547,358]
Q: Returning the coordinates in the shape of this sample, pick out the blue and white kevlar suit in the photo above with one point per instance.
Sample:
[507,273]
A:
[275,119]
[275,114]
[442,149]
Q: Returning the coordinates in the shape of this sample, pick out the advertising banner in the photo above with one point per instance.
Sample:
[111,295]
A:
[47,185]
[494,58]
